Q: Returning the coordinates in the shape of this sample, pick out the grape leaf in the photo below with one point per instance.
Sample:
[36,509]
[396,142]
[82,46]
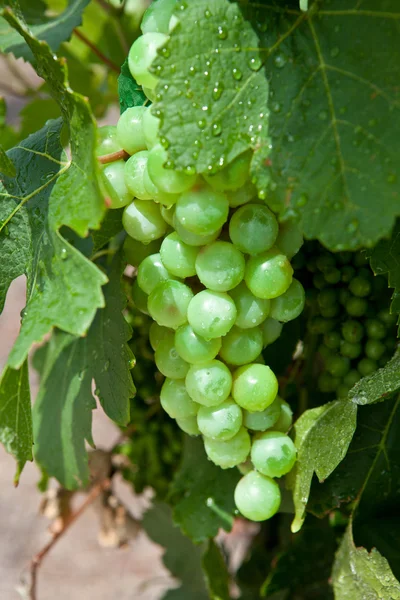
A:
[62,412]
[385,260]
[53,30]
[15,415]
[182,558]
[212,92]
[360,575]
[130,93]
[111,226]
[6,164]
[379,385]
[334,121]
[64,288]
[370,472]
[322,437]
[202,494]
[215,572]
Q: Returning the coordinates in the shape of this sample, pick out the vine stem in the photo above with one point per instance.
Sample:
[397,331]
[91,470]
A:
[38,558]
[113,157]
[96,51]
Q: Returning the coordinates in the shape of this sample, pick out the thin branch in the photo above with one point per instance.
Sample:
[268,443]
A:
[114,156]
[96,51]
[38,559]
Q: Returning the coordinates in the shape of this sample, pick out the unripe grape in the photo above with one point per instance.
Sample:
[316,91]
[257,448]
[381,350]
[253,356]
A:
[251,311]
[221,422]
[107,140]
[113,179]
[257,497]
[209,383]
[141,55]
[254,387]
[133,173]
[290,239]
[273,453]
[262,420]
[241,346]
[253,228]
[367,366]
[374,349]
[202,211]
[168,361]
[168,303]
[220,266]
[150,126]
[135,252]
[211,314]
[188,425]
[142,220]
[176,401]
[290,304]
[233,176]
[179,258]
[271,331]
[158,333]
[151,272]
[229,453]
[130,129]
[285,419]
[194,348]
[268,275]
[167,180]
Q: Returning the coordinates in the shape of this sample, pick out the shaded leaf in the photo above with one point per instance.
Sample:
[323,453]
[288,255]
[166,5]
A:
[202,494]
[322,437]
[111,226]
[379,385]
[53,30]
[63,410]
[15,415]
[182,558]
[130,93]
[334,121]
[216,573]
[217,108]
[6,164]
[360,575]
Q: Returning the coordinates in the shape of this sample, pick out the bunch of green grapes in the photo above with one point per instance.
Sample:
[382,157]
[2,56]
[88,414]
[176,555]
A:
[214,273]
[357,336]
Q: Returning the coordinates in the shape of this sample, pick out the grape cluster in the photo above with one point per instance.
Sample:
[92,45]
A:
[213,272]
[357,336]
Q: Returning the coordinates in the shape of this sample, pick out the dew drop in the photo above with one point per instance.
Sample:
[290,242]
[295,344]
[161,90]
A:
[255,63]
[352,226]
[201,124]
[165,52]
[334,52]
[237,74]
[217,91]
[207,13]
[302,201]
[276,107]
[164,142]
[216,129]
[192,71]
[222,33]
[64,253]
[280,61]
[190,170]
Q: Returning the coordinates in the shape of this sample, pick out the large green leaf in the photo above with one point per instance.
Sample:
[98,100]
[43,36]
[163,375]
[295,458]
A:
[62,411]
[64,288]
[53,30]
[182,558]
[202,494]
[360,575]
[322,437]
[6,164]
[215,573]
[379,385]
[15,415]
[218,109]
[385,260]
[334,121]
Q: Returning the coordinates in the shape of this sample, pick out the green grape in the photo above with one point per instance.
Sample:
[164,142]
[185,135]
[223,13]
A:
[271,331]
[151,272]
[290,304]
[348,272]
[179,258]
[325,352]
[327,383]
[375,329]
[150,94]
[332,340]
[155,193]
[193,348]
[241,346]
[245,467]
[374,349]
[262,420]
[220,266]
[107,141]
[189,425]
[133,173]
[168,214]
[142,220]
[209,383]
[342,391]
[176,401]
[338,366]
[344,257]
[327,298]
[268,275]
[233,176]
[168,303]
[254,387]
[387,318]
[251,311]
[139,298]
[114,183]
[168,361]
[360,259]
[349,349]
[202,211]
[356,307]
[157,16]
[192,239]
[285,419]
[130,129]
[360,287]
[158,333]
[253,228]
[151,126]
[141,55]
[211,314]
[290,239]
[321,325]
[229,453]
[257,497]
[330,311]
[273,453]
[367,366]
[135,252]
[319,281]
[332,275]
[351,378]
[352,331]
[221,422]
[166,179]
[242,195]
[325,262]
[344,295]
